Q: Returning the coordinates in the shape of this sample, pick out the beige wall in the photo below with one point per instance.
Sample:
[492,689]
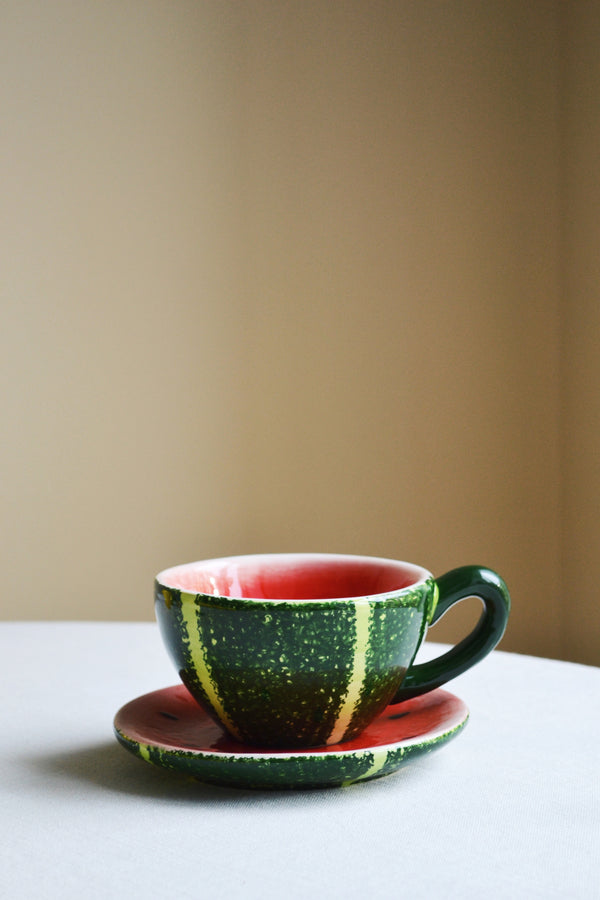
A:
[580,396]
[291,276]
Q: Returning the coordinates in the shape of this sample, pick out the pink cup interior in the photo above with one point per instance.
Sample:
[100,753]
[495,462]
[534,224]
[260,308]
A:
[293,576]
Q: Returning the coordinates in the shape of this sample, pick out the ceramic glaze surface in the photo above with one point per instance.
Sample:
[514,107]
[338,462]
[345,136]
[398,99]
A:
[169,729]
[306,649]
[294,576]
[300,672]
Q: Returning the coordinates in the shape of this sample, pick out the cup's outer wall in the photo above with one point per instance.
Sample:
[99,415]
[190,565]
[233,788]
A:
[293,673]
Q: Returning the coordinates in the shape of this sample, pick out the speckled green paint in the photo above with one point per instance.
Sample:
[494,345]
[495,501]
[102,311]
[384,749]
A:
[168,604]
[393,634]
[278,673]
[289,771]
[270,676]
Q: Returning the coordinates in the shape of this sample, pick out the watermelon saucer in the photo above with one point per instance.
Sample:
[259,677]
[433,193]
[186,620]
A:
[169,729]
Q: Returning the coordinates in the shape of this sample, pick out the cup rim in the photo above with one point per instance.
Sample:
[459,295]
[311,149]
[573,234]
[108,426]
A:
[418,576]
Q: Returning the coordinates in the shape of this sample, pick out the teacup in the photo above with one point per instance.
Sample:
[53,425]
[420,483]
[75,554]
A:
[300,650]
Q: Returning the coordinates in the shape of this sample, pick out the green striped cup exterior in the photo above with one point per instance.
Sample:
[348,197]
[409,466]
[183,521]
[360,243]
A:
[294,669]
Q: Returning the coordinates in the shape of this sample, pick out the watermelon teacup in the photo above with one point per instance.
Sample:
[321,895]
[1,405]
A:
[300,650]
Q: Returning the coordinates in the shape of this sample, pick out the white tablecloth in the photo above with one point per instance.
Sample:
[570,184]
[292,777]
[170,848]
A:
[509,809]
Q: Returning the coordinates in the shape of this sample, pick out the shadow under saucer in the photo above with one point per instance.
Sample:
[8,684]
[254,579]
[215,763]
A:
[105,767]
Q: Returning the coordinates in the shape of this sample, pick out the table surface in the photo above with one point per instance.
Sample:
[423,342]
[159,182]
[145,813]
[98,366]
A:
[510,808]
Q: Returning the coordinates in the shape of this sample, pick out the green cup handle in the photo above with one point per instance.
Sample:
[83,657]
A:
[467,581]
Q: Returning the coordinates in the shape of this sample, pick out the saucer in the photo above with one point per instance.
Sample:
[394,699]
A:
[170,729]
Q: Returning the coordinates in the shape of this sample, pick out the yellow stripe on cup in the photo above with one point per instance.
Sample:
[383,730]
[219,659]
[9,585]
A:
[363,613]
[198,659]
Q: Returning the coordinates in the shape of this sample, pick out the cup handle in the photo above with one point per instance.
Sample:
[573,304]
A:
[454,586]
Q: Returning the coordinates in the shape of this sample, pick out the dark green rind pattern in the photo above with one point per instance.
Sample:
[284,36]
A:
[286,772]
[270,677]
[394,631]
[170,619]
[281,671]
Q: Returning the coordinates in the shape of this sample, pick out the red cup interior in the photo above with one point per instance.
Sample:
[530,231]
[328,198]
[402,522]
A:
[293,576]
